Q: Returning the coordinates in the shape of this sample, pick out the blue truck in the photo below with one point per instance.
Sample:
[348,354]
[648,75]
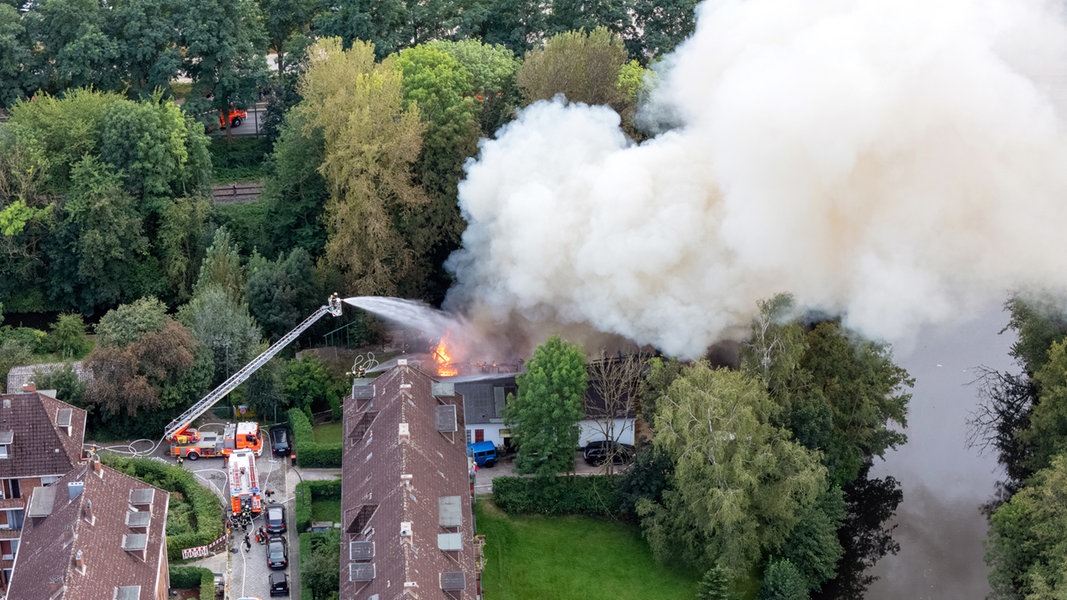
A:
[483,453]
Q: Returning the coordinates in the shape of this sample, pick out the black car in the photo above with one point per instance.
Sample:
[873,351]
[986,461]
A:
[598,452]
[279,584]
[275,518]
[281,440]
[277,552]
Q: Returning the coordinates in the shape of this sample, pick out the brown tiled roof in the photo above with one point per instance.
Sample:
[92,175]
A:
[92,522]
[38,446]
[405,477]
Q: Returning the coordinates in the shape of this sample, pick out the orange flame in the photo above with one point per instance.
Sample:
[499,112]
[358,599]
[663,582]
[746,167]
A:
[444,360]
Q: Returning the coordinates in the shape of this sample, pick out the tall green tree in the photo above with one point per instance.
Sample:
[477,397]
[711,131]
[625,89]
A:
[15,78]
[99,245]
[283,292]
[71,48]
[144,31]
[544,416]
[659,26]
[867,394]
[493,69]
[367,165]
[222,267]
[583,66]
[1027,545]
[1047,435]
[223,326]
[783,581]
[67,337]
[442,90]
[295,191]
[739,486]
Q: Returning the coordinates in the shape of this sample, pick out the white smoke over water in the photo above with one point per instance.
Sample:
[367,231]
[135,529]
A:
[897,161]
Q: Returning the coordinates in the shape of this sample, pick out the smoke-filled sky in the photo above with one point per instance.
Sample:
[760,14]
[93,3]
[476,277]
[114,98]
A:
[897,161]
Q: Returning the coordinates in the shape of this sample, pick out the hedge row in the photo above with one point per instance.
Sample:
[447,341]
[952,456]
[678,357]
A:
[184,578]
[308,491]
[594,495]
[207,508]
[308,453]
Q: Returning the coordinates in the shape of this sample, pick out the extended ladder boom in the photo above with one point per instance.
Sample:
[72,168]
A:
[333,307]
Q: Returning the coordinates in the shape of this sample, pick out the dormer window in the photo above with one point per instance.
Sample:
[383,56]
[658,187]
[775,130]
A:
[6,438]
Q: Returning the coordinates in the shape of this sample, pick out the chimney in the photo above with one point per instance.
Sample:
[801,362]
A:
[87,513]
[97,467]
[55,585]
[79,562]
[74,489]
[405,433]
[29,386]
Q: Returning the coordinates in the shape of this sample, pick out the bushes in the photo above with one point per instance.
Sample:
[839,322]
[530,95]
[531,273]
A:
[308,453]
[308,491]
[206,506]
[595,495]
[191,577]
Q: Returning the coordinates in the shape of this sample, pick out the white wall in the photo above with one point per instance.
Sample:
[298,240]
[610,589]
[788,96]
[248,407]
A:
[591,431]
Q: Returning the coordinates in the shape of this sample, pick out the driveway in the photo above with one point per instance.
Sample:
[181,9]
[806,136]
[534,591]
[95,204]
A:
[483,481]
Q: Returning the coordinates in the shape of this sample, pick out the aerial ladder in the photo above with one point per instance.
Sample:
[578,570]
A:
[187,442]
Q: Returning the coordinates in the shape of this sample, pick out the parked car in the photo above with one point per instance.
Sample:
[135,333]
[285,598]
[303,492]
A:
[281,440]
[275,518]
[279,584]
[484,453]
[598,452]
[277,552]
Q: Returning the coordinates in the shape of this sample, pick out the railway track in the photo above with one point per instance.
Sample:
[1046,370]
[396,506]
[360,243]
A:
[236,193]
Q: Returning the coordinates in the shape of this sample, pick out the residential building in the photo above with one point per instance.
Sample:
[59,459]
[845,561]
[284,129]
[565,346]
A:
[96,533]
[407,512]
[40,441]
[484,399]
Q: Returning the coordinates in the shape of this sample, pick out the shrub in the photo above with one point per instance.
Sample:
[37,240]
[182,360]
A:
[310,454]
[191,577]
[307,492]
[595,495]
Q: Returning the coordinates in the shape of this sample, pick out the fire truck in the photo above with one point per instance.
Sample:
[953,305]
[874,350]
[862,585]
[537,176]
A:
[187,442]
[244,484]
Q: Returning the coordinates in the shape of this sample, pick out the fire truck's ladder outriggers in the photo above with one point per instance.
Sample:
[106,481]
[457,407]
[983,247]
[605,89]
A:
[332,307]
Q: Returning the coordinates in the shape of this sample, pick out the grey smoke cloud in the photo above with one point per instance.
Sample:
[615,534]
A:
[899,162]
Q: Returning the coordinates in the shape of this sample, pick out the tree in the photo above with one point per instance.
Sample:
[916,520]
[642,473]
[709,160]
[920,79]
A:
[1027,547]
[813,547]
[125,324]
[140,384]
[544,416]
[492,69]
[442,90]
[283,292]
[68,338]
[865,391]
[659,26]
[715,585]
[14,56]
[65,381]
[308,383]
[1000,422]
[284,19]
[224,54]
[224,327]
[582,66]
[180,243]
[322,575]
[222,267]
[71,49]
[295,190]
[740,485]
[381,23]
[1037,324]
[98,245]
[783,581]
[614,382]
[513,24]
[367,164]
[1047,434]
[144,32]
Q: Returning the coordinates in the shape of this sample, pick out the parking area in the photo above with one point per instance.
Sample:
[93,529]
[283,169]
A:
[483,481]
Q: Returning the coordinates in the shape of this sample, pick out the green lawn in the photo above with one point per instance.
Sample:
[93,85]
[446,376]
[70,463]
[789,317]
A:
[326,509]
[328,433]
[565,558]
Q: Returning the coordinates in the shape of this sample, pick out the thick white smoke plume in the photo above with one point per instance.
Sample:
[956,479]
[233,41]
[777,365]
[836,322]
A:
[896,161]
